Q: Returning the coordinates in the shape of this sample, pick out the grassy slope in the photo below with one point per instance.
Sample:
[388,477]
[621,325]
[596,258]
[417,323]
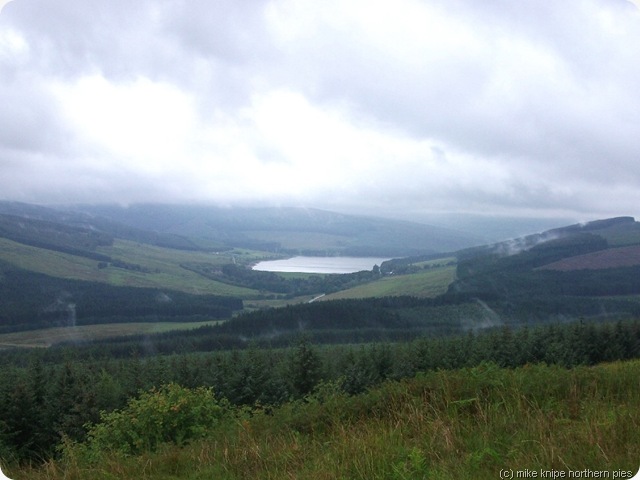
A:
[426,283]
[163,266]
[163,270]
[462,424]
[49,336]
[49,262]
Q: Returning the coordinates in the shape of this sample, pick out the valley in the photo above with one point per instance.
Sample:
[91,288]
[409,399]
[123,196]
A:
[293,240]
[40,241]
[99,317]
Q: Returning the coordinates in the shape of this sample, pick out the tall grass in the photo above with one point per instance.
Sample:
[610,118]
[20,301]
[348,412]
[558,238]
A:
[462,424]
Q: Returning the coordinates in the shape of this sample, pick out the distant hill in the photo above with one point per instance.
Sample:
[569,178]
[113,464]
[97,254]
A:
[610,258]
[91,224]
[583,270]
[618,231]
[284,230]
[290,230]
[54,236]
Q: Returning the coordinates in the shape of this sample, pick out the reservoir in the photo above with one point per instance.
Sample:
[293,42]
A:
[320,264]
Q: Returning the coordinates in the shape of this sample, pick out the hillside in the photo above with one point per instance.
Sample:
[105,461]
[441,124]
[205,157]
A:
[83,223]
[472,423]
[496,286]
[291,230]
[31,300]
[508,284]
[60,255]
[425,366]
[535,279]
[610,258]
[576,271]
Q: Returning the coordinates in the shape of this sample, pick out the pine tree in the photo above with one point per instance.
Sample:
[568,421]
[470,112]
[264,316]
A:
[306,368]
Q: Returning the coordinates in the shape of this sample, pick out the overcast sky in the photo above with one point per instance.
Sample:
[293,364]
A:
[505,107]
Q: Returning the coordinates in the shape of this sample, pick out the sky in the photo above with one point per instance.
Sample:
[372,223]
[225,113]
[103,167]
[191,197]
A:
[403,108]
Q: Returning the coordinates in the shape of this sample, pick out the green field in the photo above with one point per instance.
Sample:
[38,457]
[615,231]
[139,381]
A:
[426,283]
[50,262]
[162,270]
[50,336]
[161,266]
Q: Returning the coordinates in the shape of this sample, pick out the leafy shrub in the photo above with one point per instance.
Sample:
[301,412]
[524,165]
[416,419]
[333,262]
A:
[170,414]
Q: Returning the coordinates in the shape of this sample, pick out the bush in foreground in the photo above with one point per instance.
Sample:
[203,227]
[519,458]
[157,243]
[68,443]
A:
[170,414]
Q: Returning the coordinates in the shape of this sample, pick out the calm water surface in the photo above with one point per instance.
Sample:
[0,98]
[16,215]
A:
[320,264]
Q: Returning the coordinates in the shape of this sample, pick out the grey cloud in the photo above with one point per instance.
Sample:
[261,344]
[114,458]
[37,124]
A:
[233,31]
[463,97]
[546,93]
[73,37]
